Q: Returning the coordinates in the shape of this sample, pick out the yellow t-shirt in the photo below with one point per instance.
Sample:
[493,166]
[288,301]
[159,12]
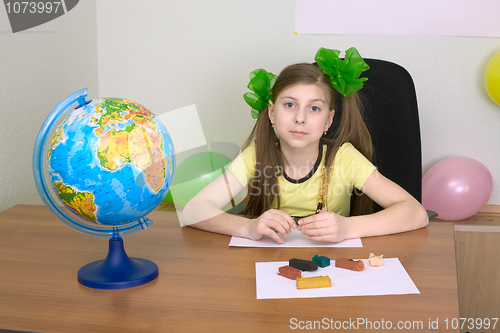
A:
[300,197]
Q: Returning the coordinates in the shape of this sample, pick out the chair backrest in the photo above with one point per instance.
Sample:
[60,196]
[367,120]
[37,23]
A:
[391,114]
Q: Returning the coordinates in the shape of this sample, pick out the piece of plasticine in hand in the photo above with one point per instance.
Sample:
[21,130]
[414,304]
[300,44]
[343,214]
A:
[375,261]
[353,265]
[322,260]
[303,265]
[296,219]
[289,272]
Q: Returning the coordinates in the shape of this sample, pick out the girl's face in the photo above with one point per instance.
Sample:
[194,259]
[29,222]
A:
[301,115]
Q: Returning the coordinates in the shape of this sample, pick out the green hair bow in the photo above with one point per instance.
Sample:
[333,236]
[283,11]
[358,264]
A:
[344,75]
[261,83]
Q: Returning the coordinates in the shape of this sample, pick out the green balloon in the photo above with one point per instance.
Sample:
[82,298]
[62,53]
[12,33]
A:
[194,173]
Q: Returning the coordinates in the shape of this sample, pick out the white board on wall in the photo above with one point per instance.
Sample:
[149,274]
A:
[475,18]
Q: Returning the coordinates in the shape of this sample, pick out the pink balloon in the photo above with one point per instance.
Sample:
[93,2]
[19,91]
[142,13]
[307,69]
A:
[456,188]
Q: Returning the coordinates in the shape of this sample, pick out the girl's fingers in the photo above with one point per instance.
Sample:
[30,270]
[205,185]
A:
[288,219]
[271,233]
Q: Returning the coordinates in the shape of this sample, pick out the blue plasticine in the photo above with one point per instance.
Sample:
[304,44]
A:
[321,260]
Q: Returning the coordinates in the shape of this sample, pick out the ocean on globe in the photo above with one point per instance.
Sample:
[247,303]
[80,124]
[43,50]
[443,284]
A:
[111,161]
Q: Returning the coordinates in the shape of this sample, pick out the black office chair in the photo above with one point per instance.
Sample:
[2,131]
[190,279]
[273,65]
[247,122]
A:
[391,115]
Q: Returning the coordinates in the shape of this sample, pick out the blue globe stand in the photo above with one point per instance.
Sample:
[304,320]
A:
[118,270]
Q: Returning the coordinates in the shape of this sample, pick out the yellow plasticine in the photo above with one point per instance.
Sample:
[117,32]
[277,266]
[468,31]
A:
[314,282]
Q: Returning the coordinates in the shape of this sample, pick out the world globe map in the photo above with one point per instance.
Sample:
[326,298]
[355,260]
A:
[111,161]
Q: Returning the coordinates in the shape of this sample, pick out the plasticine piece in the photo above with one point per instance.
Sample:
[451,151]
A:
[322,260]
[314,282]
[296,219]
[303,265]
[375,261]
[289,272]
[354,265]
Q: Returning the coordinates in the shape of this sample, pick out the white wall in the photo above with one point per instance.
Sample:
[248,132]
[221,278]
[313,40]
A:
[39,67]
[167,54]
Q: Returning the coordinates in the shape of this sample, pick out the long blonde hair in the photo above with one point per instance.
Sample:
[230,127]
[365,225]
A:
[349,128]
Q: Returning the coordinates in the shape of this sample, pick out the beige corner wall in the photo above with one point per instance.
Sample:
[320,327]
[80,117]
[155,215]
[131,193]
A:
[39,67]
[169,54]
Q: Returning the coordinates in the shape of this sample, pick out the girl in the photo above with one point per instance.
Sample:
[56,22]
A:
[303,172]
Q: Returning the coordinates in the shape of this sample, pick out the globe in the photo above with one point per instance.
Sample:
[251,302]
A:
[110,161]
[102,166]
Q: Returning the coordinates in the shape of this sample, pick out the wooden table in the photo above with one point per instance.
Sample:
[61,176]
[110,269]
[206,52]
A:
[204,285]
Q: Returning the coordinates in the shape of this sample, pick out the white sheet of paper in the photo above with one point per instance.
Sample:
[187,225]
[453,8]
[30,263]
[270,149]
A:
[389,279]
[294,239]
[184,127]
[477,18]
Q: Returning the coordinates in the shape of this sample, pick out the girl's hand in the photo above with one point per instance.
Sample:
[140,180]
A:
[269,223]
[324,227]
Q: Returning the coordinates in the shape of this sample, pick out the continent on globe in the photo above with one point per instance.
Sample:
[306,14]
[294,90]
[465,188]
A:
[146,153]
[81,203]
[134,143]
[58,136]
[115,110]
